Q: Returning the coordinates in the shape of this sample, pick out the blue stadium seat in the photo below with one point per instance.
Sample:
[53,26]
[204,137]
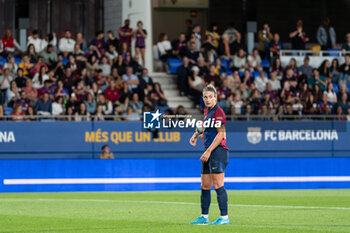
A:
[65,61]
[174,63]
[335,87]
[348,87]
[240,73]
[18,60]
[8,111]
[225,63]
[334,54]
[2,61]
[255,73]
[229,72]
[265,63]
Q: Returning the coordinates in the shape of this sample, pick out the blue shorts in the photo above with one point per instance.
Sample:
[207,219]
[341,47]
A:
[217,162]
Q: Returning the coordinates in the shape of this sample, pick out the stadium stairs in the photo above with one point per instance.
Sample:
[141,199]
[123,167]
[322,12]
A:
[169,87]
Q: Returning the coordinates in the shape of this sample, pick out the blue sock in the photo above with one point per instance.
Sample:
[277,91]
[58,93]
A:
[205,201]
[222,200]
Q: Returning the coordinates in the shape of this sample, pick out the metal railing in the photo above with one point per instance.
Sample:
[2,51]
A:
[79,118]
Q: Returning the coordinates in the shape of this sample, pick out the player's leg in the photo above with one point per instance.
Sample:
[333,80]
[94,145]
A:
[206,184]
[217,167]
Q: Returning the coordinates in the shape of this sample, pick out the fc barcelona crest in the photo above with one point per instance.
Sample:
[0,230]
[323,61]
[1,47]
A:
[254,135]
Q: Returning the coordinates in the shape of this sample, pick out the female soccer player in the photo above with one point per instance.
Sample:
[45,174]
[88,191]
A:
[214,159]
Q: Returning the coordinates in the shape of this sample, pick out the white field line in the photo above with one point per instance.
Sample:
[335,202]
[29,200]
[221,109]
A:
[173,180]
[167,203]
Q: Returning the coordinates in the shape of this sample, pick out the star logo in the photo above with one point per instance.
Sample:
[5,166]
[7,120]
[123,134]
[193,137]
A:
[151,120]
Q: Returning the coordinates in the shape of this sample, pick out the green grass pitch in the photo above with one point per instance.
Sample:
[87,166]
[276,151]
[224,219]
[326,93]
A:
[133,212]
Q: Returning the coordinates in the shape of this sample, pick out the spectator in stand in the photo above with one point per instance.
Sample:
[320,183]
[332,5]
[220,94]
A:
[82,114]
[275,46]
[136,103]
[131,80]
[164,47]
[196,85]
[277,68]
[299,37]
[5,81]
[208,49]
[203,69]
[50,39]
[2,113]
[106,153]
[111,93]
[326,36]
[292,65]
[225,49]
[183,72]
[213,32]
[275,83]
[17,113]
[346,46]
[68,79]
[264,37]
[212,78]
[106,105]
[40,78]
[44,105]
[47,87]
[238,44]
[260,81]
[105,67]
[125,33]
[99,115]
[99,42]
[231,32]
[140,35]
[35,40]
[49,56]
[317,80]
[239,61]
[80,40]
[179,46]
[31,53]
[31,92]
[197,33]
[254,60]
[192,54]
[226,104]
[331,95]
[12,94]
[58,106]
[112,54]
[344,70]
[343,103]
[66,43]
[224,90]
[11,65]
[324,69]
[90,103]
[334,71]
[306,69]
[219,69]
[158,97]
[112,40]
[20,79]
[9,43]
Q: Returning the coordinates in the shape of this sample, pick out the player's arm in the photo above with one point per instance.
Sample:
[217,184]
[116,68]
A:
[217,140]
[195,136]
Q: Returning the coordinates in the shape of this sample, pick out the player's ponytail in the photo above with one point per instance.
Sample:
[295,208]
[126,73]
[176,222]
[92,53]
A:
[211,88]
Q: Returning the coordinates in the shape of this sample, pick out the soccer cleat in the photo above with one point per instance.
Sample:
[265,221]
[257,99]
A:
[200,221]
[220,221]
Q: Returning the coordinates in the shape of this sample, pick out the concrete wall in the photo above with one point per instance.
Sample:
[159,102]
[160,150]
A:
[112,15]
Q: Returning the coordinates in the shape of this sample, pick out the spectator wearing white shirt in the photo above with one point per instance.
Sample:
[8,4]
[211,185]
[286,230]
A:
[331,95]
[254,60]
[275,83]
[49,39]
[66,44]
[40,78]
[164,47]
[36,41]
[260,82]
[57,106]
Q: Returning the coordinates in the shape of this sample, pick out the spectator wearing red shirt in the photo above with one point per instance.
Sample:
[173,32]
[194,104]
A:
[111,93]
[125,33]
[9,43]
